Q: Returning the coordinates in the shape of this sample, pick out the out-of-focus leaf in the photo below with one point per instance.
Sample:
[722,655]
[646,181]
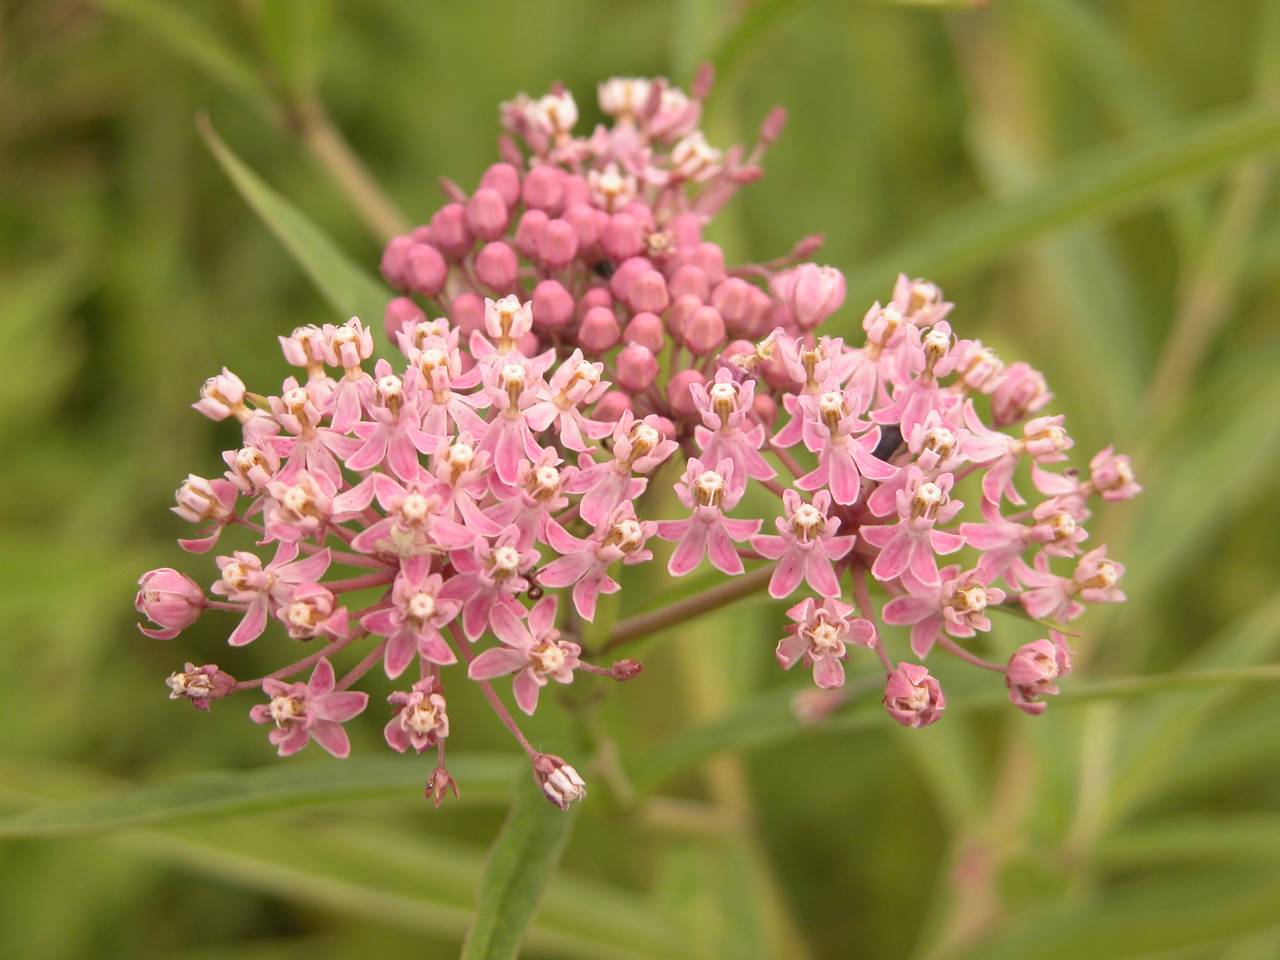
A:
[294,34]
[1238,837]
[1102,182]
[480,776]
[1175,910]
[521,861]
[351,290]
[195,42]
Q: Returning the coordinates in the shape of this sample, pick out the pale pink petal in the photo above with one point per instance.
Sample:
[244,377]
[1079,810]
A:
[497,662]
[332,737]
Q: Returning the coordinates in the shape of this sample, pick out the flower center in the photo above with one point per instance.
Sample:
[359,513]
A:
[506,562]
[422,606]
[1062,525]
[941,441]
[969,599]
[423,718]
[302,614]
[285,710]
[548,657]
[824,637]
[625,535]
[414,507]
[831,408]
[724,397]
[926,500]
[709,488]
[806,521]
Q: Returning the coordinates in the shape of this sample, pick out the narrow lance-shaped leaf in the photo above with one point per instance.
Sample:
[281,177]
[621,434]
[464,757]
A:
[521,861]
[351,290]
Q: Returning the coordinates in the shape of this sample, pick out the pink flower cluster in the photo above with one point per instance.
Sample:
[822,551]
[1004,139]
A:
[566,336]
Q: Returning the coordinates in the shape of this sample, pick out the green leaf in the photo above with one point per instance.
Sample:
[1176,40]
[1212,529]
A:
[196,43]
[283,786]
[521,861]
[1229,838]
[1100,183]
[351,290]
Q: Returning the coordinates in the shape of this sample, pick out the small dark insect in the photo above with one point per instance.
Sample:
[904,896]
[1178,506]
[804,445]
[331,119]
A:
[534,592]
[604,267]
[890,441]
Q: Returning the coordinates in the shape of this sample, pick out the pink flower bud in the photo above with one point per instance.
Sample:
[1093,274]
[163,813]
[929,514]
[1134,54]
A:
[529,232]
[200,685]
[678,394]
[625,274]
[612,406]
[704,331]
[913,697]
[487,214]
[425,270]
[543,189]
[441,782]
[170,600]
[646,330]
[816,293]
[625,670]
[1032,670]
[637,367]
[623,236]
[665,427]
[679,314]
[552,305]
[449,230]
[559,781]
[496,266]
[594,297]
[582,217]
[505,179]
[401,312]
[765,409]
[732,297]
[393,260]
[558,244]
[599,330]
[467,312]
[709,258]
[690,280]
[576,190]
[648,292]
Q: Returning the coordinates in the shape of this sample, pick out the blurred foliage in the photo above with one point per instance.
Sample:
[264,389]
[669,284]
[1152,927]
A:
[1091,181]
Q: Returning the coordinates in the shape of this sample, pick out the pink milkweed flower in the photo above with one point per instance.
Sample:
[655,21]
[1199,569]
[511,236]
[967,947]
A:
[638,447]
[585,563]
[843,459]
[533,653]
[561,784]
[1043,440]
[1020,392]
[537,495]
[222,396]
[297,509]
[1046,596]
[958,605]
[212,502]
[421,719]
[509,437]
[199,685]
[806,547]
[307,445]
[309,711]
[245,580]
[920,301]
[506,321]
[1032,670]
[909,546]
[308,347]
[913,697]
[351,344]
[819,636]
[416,522]
[170,600]
[977,367]
[489,577]
[439,364]
[251,467]
[922,359]
[812,293]
[1055,527]
[394,435]
[463,472]
[1111,475]
[939,448]
[312,611]
[413,622]
[726,432]
[576,383]
[708,532]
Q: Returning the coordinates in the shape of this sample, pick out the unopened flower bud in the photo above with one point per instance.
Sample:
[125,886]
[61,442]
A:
[625,670]
[678,394]
[582,217]
[558,244]
[704,331]
[690,280]
[487,214]
[559,781]
[623,236]
[646,330]
[552,305]
[467,312]
[449,230]
[496,266]
[612,406]
[529,232]
[401,312]
[439,784]
[393,260]
[637,367]
[543,189]
[170,600]
[505,180]
[599,330]
[425,270]
[816,293]
[648,292]
[1032,670]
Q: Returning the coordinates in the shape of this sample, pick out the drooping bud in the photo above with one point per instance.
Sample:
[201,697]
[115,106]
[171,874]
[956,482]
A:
[559,781]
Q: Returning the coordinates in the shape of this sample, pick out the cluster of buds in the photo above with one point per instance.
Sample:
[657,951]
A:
[566,337]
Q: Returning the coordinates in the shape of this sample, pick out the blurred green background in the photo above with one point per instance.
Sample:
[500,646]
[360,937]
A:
[1092,182]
